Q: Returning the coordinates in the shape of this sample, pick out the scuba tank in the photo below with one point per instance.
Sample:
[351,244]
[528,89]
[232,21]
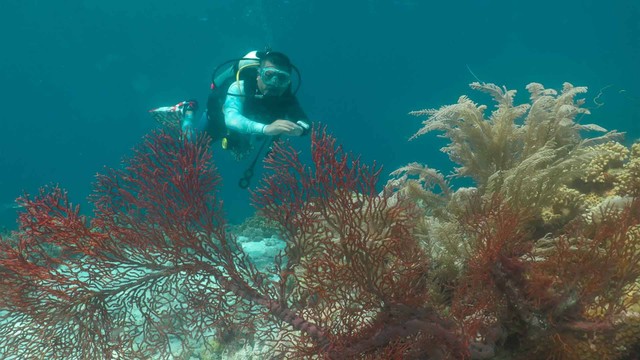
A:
[223,76]
[233,69]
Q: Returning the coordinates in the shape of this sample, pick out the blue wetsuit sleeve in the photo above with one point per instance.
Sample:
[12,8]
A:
[232,110]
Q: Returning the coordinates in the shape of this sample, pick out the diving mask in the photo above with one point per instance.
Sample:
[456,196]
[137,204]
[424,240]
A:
[274,77]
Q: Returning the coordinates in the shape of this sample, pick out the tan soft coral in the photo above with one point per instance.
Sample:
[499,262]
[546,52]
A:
[525,152]
[528,153]
[534,156]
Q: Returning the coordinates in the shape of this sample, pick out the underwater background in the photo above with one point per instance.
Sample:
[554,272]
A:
[429,269]
[79,76]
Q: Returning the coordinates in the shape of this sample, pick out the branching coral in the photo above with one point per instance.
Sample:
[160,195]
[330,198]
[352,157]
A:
[417,271]
[610,155]
[157,246]
[533,155]
[155,270]
[419,182]
[590,306]
[524,162]
[512,293]
[353,259]
[550,206]
[79,303]
[627,182]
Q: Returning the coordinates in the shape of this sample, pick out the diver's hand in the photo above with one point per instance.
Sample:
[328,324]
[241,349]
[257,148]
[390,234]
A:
[285,127]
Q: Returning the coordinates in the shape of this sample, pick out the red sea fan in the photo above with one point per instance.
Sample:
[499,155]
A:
[354,266]
[522,294]
[152,272]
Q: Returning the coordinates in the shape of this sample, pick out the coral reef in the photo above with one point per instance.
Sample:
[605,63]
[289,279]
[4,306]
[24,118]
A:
[540,259]
[571,206]
[255,227]
[154,272]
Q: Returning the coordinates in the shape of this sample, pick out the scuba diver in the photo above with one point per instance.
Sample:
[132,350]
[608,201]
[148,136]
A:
[251,102]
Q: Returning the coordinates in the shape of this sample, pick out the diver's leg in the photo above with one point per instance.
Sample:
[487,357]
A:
[201,123]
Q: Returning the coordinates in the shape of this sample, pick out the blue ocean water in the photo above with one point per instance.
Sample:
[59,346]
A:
[79,76]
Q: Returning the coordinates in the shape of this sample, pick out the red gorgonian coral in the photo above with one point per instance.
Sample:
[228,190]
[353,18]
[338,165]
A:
[154,271]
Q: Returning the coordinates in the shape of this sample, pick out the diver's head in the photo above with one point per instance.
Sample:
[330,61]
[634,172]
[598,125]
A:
[274,74]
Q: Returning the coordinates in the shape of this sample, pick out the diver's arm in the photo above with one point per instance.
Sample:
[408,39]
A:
[282,126]
[232,110]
